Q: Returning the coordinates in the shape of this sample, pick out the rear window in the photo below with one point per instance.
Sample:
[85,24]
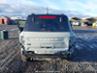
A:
[48,23]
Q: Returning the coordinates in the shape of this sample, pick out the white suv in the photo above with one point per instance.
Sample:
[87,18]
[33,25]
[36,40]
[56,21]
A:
[45,34]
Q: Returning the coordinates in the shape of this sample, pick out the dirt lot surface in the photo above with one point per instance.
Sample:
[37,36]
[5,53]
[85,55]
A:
[84,60]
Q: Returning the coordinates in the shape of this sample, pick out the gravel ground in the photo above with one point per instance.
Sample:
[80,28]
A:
[8,27]
[10,50]
[84,60]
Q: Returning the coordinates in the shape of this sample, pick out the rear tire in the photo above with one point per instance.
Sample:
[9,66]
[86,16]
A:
[23,58]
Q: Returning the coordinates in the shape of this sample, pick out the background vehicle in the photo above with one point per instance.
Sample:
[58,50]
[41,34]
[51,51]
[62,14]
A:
[21,23]
[45,34]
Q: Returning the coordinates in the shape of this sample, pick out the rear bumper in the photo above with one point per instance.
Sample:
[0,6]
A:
[45,50]
[40,56]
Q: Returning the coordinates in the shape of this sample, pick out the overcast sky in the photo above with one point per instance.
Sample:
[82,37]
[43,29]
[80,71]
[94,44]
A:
[86,7]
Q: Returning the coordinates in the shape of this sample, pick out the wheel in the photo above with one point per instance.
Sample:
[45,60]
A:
[24,58]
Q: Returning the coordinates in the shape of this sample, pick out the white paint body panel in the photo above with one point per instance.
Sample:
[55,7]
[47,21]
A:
[45,42]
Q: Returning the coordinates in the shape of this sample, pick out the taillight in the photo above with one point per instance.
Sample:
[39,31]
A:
[47,17]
